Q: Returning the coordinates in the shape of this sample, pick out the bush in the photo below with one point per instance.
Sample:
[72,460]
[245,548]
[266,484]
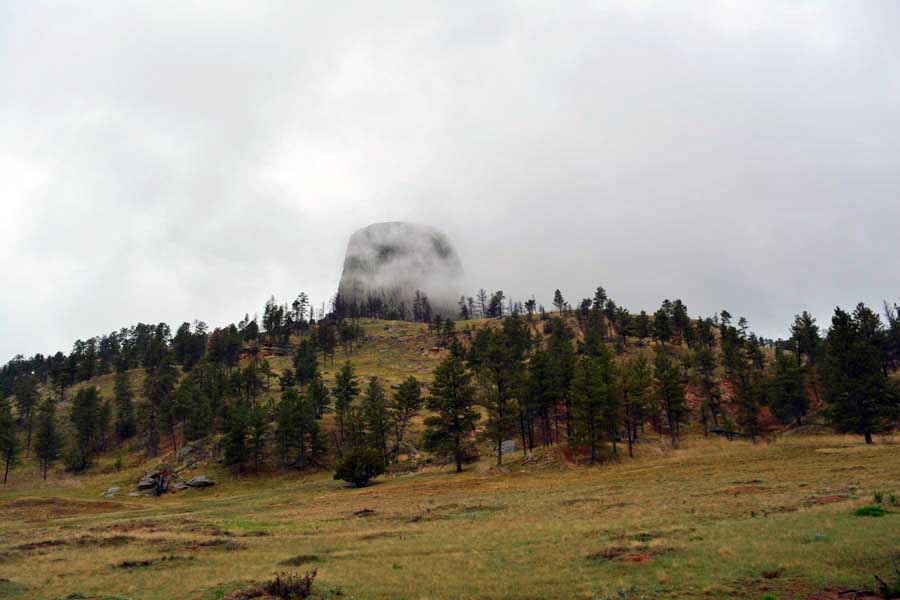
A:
[878,497]
[290,586]
[359,466]
[870,511]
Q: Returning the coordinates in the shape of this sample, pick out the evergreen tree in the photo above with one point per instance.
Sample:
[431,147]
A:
[788,395]
[104,420]
[125,420]
[306,364]
[297,430]
[236,428]
[705,377]
[346,389]
[642,325]
[558,301]
[662,325]
[636,379]
[405,404]
[158,387]
[257,428]
[47,441]
[593,401]
[805,335]
[27,396]
[670,392]
[452,400]
[540,395]
[561,366]
[497,357]
[85,408]
[859,395]
[9,441]
[375,413]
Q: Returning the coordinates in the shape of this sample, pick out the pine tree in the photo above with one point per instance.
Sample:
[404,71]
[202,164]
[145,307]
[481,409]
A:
[805,335]
[859,395]
[159,385]
[257,428]
[375,413]
[705,377]
[636,379]
[592,395]
[346,389]
[125,420]
[788,395]
[670,392]
[452,400]
[236,428]
[560,367]
[26,390]
[9,441]
[306,364]
[558,301]
[405,404]
[297,429]
[85,408]
[47,442]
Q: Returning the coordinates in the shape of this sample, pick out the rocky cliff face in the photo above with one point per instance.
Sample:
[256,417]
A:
[386,263]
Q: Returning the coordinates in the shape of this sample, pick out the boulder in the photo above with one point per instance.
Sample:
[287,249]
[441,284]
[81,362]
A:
[180,486]
[200,481]
[146,483]
[111,492]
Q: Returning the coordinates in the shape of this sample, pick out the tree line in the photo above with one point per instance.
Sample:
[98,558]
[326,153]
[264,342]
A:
[542,379]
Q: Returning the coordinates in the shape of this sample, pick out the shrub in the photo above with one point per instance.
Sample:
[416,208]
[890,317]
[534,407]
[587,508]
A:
[359,466]
[892,499]
[290,586]
[878,497]
[870,511]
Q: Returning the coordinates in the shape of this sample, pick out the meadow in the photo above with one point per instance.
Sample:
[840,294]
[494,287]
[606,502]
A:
[713,519]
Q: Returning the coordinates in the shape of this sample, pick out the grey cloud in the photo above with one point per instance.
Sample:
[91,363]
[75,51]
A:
[171,163]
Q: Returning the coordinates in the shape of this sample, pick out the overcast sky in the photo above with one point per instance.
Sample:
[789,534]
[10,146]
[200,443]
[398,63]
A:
[174,161]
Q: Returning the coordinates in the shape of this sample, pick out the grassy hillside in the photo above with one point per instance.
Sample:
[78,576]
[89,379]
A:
[713,519]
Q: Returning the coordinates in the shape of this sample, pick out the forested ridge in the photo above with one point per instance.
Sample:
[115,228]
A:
[592,378]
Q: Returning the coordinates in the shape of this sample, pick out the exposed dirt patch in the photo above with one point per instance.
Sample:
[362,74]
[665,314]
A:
[85,540]
[149,562]
[830,499]
[627,554]
[148,526]
[33,510]
[380,535]
[219,543]
[248,593]
[808,591]
[40,545]
[745,489]
[300,559]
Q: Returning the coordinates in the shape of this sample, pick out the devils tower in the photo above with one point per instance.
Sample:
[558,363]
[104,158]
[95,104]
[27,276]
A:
[387,263]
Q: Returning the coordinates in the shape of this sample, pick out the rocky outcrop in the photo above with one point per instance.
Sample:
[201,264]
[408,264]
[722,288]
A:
[386,263]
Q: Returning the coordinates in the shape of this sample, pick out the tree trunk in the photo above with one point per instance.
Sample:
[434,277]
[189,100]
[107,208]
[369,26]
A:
[630,440]
[868,438]
[6,472]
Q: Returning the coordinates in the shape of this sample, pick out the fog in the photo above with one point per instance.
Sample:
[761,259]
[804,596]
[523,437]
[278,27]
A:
[390,262]
[172,162]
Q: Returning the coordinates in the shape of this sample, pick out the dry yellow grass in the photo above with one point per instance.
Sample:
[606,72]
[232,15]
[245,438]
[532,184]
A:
[706,520]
